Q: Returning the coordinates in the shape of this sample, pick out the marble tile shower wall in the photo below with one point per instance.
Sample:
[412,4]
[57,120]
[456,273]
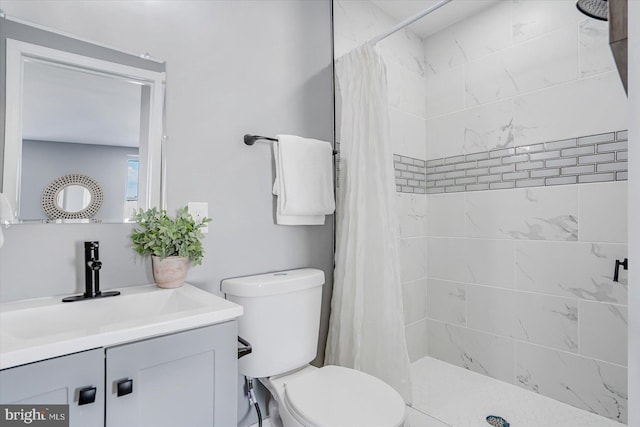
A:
[519,281]
[520,73]
[519,288]
[354,23]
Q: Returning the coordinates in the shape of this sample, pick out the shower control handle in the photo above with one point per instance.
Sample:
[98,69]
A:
[624,264]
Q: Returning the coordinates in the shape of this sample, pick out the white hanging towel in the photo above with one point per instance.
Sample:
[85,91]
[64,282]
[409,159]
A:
[304,180]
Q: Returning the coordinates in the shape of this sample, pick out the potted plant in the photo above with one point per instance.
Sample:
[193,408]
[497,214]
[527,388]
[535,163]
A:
[171,242]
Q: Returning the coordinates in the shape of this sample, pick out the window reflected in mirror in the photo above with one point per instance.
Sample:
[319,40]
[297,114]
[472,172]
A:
[133,179]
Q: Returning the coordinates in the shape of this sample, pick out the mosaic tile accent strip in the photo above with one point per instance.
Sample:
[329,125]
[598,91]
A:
[586,159]
[411,174]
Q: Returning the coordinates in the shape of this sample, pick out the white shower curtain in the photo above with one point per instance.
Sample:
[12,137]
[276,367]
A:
[366,329]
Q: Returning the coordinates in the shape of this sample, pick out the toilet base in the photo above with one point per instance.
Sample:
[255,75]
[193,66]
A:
[274,414]
[279,415]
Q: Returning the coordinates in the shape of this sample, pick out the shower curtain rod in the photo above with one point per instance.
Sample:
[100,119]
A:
[407,22]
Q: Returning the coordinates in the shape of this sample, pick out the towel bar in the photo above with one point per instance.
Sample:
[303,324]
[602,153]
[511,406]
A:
[251,139]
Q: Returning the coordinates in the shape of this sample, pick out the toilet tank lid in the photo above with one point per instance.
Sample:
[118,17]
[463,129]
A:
[279,282]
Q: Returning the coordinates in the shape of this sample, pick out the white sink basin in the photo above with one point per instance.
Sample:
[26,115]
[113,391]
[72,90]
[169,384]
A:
[37,329]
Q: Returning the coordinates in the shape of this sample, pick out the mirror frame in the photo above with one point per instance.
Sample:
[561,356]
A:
[150,149]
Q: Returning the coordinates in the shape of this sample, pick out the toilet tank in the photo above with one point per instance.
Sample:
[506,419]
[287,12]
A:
[281,319]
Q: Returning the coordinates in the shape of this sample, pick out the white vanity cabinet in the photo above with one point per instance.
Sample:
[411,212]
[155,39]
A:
[185,379]
[59,381]
[182,379]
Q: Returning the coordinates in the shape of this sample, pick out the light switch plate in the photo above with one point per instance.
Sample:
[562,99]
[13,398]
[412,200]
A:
[198,211]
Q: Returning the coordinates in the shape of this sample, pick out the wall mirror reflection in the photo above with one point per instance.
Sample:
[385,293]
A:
[70,113]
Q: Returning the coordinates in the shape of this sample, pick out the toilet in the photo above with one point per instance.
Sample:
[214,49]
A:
[281,321]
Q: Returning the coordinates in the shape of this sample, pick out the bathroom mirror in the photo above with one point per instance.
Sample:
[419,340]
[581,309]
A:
[79,109]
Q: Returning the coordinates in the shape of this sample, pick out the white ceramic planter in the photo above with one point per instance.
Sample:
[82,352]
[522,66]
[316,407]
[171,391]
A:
[170,272]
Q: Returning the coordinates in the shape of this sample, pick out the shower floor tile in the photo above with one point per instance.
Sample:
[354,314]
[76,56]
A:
[418,419]
[461,398]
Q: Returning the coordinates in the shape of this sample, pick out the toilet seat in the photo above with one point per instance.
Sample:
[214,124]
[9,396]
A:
[334,396]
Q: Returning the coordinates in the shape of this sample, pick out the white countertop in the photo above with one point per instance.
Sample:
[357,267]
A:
[38,329]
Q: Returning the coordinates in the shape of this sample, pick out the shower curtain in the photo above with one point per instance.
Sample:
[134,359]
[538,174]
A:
[366,328]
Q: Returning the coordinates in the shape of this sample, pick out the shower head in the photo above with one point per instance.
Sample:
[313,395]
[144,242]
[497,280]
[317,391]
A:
[597,9]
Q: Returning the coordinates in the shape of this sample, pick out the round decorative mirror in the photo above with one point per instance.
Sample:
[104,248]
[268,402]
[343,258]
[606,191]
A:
[72,196]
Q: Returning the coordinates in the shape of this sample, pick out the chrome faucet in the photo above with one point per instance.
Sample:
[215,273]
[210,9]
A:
[92,266]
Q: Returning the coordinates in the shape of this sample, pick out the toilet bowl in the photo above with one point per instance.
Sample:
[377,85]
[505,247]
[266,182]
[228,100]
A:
[281,320]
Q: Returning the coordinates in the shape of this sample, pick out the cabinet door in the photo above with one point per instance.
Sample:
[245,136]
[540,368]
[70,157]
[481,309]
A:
[58,381]
[184,379]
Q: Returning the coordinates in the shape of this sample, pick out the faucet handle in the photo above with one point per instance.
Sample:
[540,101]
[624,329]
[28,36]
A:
[95,265]
[91,245]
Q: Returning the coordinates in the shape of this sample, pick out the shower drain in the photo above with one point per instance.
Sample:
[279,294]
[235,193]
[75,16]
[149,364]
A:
[496,421]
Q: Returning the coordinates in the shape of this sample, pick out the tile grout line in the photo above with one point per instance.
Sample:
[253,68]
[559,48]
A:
[617,304]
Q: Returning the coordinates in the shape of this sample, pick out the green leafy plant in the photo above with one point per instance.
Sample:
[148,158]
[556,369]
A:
[164,236]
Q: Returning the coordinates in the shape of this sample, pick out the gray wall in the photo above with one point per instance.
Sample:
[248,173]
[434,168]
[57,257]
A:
[233,67]
[44,161]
